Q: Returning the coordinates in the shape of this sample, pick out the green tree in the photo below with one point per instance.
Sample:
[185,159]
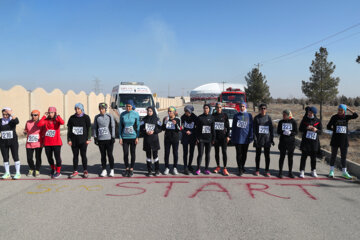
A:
[322,86]
[257,90]
[358,59]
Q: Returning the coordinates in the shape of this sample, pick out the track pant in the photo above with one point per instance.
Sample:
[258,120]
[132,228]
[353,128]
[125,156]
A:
[223,146]
[201,147]
[304,156]
[241,155]
[188,151]
[14,148]
[290,154]
[30,158]
[56,151]
[155,156]
[106,148]
[334,151]
[175,148]
[82,149]
[129,143]
[267,158]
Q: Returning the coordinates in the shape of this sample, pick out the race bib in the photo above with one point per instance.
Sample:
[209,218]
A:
[149,127]
[264,129]
[103,131]
[129,130]
[287,132]
[50,133]
[170,125]
[34,138]
[287,126]
[189,125]
[7,135]
[219,126]
[78,130]
[241,124]
[341,129]
[206,129]
[311,135]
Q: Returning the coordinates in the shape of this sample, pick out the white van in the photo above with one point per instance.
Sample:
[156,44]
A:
[138,92]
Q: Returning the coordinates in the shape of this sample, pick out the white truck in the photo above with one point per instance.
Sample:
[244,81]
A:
[138,92]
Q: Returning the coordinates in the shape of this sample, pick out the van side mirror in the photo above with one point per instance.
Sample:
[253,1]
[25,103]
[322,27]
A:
[113,105]
[157,105]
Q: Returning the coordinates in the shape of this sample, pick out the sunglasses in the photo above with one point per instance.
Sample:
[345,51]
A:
[218,107]
[263,108]
[5,114]
[34,115]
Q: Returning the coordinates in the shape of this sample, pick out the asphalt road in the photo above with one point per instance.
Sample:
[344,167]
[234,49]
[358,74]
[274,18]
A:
[178,207]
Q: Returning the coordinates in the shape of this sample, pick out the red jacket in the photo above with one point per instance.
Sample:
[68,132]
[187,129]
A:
[52,130]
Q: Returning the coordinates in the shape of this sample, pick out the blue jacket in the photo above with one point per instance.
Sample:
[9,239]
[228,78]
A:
[129,126]
[242,128]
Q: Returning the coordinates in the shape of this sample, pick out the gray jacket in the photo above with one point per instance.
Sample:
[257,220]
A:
[104,127]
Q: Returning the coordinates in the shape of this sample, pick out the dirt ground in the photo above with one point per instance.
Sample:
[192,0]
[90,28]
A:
[275,111]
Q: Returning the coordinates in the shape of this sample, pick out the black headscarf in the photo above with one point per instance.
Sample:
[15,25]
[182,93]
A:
[153,117]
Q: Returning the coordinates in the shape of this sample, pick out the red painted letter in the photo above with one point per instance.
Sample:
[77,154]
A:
[169,186]
[142,190]
[202,189]
[265,187]
[301,186]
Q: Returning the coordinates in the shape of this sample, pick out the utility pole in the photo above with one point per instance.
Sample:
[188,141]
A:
[223,83]
[258,66]
[168,90]
[97,86]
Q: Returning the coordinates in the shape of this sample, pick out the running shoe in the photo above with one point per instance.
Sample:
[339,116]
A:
[74,174]
[186,171]
[131,173]
[267,174]
[280,175]
[30,173]
[157,173]
[175,171]
[111,174]
[225,172]
[6,176]
[207,172]
[103,173]
[198,172]
[314,174]
[191,169]
[148,174]
[166,172]
[57,175]
[17,176]
[302,174]
[331,174]
[240,173]
[86,174]
[217,169]
[52,173]
[291,175]
[257,173]
[346,175]
[37,173]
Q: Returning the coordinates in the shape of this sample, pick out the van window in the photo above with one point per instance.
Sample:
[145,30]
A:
[140,100]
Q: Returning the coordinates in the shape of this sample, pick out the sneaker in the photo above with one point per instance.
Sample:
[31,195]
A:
[149,174]
[217,169]
[6,176]
[126,173]
[331,174]
[111,174]
[37,173]
[267,174]
[131,173]
[52,173]
[175,171]
[17,176]
[198,172]
[291,175]
[86,174]
[191,169]
[302,174]
[103,173]
[225,172]
[280,175]
[346,175]
[30,173]
[241,172]
[186,171]
[157,173]
[257,173]
[207,172]
[57,175]
[166,172]
[74,174]
[314,174]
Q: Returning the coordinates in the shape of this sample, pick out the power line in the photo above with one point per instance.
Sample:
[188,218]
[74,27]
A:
[314,43]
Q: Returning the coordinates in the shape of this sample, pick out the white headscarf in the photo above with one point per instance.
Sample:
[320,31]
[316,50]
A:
[3,120]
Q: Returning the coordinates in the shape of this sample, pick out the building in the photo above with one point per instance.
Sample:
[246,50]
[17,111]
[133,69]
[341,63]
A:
[211,91]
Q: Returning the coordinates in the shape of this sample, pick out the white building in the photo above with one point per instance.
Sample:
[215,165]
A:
[213,90]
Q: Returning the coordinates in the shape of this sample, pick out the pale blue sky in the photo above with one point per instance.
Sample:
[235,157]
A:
[67,44]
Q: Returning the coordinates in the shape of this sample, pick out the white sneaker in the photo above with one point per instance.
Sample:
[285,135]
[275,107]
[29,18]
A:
[302,174]
[103,173]
[166,172]
[175,171]
[111,173]
[313,174]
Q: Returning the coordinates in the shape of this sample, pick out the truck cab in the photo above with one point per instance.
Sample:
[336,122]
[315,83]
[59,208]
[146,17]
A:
[232,97]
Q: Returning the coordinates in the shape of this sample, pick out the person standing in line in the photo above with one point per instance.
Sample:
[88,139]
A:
[188,140]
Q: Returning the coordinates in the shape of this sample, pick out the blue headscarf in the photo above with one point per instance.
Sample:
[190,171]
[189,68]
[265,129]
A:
[343,106]
[313,110]
[131,102]
[80,106]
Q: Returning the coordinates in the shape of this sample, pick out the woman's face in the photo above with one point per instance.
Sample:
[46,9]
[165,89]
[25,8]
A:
[341,111]
[78,111]
[171,114]
[150,112]
[128,107]
[102,111]
[206,110]
[34,117]
[187,114]
[310,114]
[5,115]
[51,114]
[285,116]
[242,107]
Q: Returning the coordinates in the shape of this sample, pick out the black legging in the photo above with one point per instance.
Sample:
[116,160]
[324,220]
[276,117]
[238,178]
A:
[201,147]
[188,151]
[82,149]
[106,147]
[126,144]
[290,153]
[334,151]
[241,155]
[152,153]
[223,145]
[30,158]
[175,148]
[14,148]
[304,156]
[49,150]
[267,158]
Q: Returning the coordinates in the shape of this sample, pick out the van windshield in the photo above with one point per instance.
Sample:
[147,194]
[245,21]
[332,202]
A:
[232,98]
[140,100]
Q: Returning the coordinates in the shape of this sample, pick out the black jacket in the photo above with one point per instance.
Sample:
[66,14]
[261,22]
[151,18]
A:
[287,141]
[8,132]
[79,129]
[188,124]
[339,125]
[263,131]
[151,142]
[205,130]
[221,126]
[310,140]
[171,130]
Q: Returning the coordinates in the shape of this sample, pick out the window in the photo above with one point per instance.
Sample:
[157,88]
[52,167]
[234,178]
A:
[140,100]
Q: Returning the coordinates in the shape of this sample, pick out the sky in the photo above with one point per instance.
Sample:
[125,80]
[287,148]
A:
[174,46]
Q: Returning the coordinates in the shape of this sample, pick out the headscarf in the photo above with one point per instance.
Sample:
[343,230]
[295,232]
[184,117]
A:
[80,106]
[189,108]
[103,105]
[35,112]
[131,102]
[172,109]
[262,105]
[313,110]
[289,113]
[52,109]
[153,117]
[243,103]
[7,120]
[344,107]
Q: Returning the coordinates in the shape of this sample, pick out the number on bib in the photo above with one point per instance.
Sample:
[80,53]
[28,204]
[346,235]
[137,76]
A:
[341,129]
[311,135]
[241,124]
[264,129]
[103,131]
[287,126]
[206,129]
[7,135]
[219,126]
[33,138]
[149,127]
[189,125]
[78,130]
[129,130]
[170,125]
[50,133]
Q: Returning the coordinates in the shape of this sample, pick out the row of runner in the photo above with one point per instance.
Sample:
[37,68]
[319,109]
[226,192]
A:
[203,131]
